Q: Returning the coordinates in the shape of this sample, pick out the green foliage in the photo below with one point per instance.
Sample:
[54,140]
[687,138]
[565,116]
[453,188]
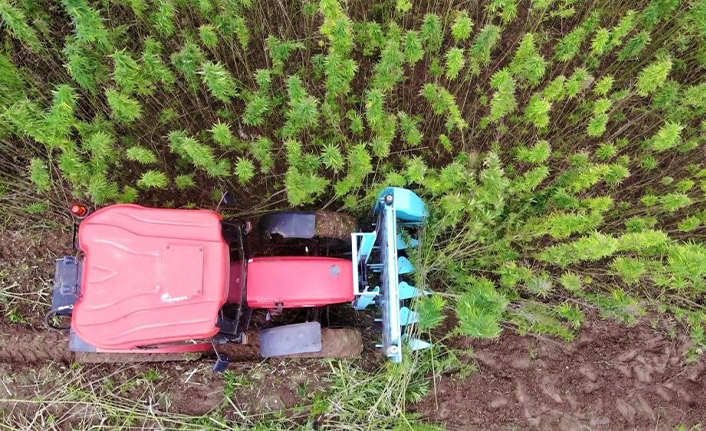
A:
[403,6]
[16,22]
[244,170]
[198,154]
[568,47]
[208,35]
[153,179]
[188,60]
[629,269]
[351,97]
[413,49]
[537,112]
[539,153]
[635,46]
[444,103]
[153,67]
[84,65]
[222,135]
[480,310]
[261,150]
[163,17]
[454,62]
[506,9]
[303,109]
[332,158]
[39,175]
[431,33]
[141,155]
[503,102]
[619,305]
[604,85]
[668,136]
[653,76]
[389,71]
[303,188]
[431,312]
[101,190]
[219,81]
[125,109]
[592,247]
[528,64]
[184,182]
[280,51]
[688,261]
[462,26]
[597,125]
[482,48]
[89,26]
[409,126]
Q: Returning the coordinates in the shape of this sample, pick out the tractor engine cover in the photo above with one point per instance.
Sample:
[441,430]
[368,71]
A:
[150,276]
[298,281]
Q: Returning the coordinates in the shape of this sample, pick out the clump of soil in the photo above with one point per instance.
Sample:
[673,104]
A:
[612,377]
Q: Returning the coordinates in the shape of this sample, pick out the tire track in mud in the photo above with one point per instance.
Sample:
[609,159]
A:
[611,377]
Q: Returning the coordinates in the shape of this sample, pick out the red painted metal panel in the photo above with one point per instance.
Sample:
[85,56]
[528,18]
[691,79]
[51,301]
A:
[150,276]
[298,281]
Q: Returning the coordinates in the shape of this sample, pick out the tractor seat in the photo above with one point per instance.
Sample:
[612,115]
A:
[150,276]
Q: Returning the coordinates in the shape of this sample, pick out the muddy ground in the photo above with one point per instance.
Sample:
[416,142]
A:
[612,377]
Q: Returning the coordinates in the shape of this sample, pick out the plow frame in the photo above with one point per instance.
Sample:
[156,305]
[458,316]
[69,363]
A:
[376,258]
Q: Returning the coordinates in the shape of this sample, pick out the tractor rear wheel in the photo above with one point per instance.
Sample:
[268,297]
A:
[335,225]
[37,347]
[33,347]
[49,346]
[336,343]
[292,233]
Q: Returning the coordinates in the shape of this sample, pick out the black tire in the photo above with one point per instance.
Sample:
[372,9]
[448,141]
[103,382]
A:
[34,347]
[331,237]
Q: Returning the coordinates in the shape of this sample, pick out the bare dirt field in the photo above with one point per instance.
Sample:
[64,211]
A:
[611,377]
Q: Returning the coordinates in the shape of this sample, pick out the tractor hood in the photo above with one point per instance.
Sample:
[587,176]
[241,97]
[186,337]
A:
[292,282]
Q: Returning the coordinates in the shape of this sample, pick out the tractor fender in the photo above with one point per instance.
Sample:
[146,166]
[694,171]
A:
[288,224]
[307,225]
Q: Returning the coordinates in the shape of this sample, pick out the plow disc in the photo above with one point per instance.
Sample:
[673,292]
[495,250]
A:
[38,347]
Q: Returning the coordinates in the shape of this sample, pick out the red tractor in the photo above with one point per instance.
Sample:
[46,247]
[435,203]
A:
[175,281]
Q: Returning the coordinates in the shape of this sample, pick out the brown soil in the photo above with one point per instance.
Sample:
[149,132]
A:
[26,272]
[612,377]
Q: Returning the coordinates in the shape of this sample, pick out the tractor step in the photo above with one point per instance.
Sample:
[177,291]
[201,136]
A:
[290,339]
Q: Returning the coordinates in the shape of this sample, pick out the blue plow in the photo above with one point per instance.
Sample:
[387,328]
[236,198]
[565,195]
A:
[383,275]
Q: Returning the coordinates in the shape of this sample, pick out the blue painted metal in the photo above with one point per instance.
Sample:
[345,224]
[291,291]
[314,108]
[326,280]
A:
[404,266]
[367,298]
[404,244]
[367,244]
[407,316]
[408,206]
[416,343]
[376,260]
[407,291]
